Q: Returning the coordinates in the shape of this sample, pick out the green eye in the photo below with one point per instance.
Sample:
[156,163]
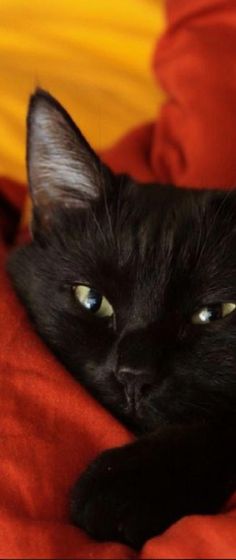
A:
[212,313]
[93,301]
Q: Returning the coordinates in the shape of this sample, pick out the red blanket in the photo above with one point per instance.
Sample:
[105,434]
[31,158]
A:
[50,427]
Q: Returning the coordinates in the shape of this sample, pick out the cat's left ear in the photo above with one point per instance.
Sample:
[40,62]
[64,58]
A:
[63,170]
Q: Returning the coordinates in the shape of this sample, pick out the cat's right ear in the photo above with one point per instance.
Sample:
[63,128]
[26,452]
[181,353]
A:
[63,170]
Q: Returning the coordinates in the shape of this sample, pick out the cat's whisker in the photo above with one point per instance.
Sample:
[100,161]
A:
[108,214]
[103,237]
[213,222]
[118,211]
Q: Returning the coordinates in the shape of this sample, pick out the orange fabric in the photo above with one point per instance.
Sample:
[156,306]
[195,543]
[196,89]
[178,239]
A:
[50,426]
[92,54]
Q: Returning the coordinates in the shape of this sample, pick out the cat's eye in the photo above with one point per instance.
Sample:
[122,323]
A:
[211,313]
[93,301]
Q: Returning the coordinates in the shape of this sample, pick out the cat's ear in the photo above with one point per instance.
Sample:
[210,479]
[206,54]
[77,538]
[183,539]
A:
[63,170]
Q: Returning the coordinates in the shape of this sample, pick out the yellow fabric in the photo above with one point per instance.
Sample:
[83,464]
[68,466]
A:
[94,55]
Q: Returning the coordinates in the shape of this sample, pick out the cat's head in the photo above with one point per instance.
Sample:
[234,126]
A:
[133,286]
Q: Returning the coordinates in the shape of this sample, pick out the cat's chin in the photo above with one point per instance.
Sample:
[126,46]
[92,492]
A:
[136,418]
[147,418]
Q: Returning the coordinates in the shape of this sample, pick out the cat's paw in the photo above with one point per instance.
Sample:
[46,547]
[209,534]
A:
[114,500]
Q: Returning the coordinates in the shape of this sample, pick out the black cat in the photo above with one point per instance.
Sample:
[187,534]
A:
[134,289]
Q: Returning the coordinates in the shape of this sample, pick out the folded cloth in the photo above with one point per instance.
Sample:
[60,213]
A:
[192,142]
[51,428]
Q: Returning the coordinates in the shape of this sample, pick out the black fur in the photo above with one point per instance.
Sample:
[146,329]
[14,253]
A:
[158,254]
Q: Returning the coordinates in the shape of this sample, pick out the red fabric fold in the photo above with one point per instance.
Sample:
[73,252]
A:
[192,142]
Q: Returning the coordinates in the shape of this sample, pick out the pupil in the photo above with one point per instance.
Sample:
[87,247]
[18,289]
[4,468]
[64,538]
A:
[214,312]
[93,301]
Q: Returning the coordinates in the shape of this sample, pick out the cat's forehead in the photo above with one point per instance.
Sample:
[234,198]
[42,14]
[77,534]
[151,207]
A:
[152,228]
[156,209]
[153,216]
[171,225]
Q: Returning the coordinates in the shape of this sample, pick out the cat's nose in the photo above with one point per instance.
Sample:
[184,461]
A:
[136,384]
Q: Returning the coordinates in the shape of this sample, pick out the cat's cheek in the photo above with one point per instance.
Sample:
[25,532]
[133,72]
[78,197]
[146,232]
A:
[90,344]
